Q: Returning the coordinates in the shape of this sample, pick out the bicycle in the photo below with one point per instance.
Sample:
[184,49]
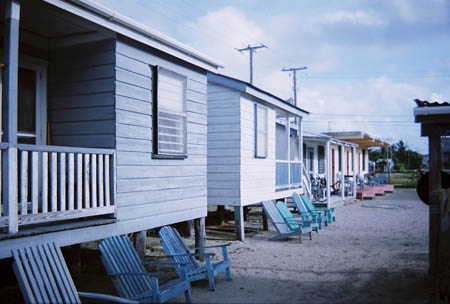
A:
[318,189]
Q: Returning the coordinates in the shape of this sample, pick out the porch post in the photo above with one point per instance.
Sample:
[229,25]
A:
[354,171]
[435,199]
[9,113]
[327,172]
[200,236]
[300,149]
[288,134]
[239,222]
[341,147]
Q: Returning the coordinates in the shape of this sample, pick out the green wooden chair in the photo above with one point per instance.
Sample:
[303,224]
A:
[316,217]
[284,230]
[130,277]
[329,212]
[175,247]
[43,277]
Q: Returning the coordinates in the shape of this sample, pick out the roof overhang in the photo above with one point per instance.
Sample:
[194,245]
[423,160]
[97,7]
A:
[362,139]
[125,26]
[322,138]
[435,121]
[256,93]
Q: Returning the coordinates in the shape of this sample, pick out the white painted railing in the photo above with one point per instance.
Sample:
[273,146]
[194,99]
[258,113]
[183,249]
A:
[306,182]
[288,174]
[62,183]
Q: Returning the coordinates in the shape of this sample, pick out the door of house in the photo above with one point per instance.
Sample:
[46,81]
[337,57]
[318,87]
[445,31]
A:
[310,160]
[333,167]
[31,105]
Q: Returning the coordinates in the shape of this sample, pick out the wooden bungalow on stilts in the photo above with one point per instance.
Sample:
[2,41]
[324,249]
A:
[327,157]
[435,124]
[104,126]
[254,146]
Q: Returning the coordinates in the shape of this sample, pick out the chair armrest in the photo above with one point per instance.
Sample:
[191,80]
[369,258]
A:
[109,298]
[192,254]
[212,246]
[147,274]
[164,263]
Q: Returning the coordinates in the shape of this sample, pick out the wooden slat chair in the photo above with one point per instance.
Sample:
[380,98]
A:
[130,277]
[43,277]
[282,227]
[175,247]
[329,212]
[317,218]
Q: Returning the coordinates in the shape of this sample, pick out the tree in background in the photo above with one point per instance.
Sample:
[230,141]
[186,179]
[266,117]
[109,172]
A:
[403,157]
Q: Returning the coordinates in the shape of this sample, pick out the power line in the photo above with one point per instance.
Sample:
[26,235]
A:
[295,79]
[251,50]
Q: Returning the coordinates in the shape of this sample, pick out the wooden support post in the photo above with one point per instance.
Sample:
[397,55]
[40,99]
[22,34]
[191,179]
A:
[328,173]
[239,223]
[288,135]
[342,173]
[354,171]
[140,240]
[75,257]
[200,236]
[9,111]
[435,200]
[264,220]
[190,228]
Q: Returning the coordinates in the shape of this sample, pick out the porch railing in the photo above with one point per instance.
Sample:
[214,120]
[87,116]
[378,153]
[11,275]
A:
[61,183]
[306,181]
[287,174]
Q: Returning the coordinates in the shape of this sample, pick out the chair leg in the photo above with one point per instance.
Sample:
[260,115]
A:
[210,273]
[229,276]
[212,285]
[188,296]
[310,235]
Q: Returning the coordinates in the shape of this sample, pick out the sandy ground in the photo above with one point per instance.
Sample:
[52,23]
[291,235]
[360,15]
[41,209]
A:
[376,252]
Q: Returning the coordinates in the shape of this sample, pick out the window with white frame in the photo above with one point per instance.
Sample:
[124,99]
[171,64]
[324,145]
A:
[260,131]
[169,114]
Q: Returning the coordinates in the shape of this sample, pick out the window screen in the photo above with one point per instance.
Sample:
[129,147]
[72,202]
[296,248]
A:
[260,131]
[170,110]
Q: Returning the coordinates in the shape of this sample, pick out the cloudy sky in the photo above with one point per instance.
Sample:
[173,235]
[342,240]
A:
[367,60]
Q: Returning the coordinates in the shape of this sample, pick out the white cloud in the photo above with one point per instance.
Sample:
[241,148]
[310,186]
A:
[357,17]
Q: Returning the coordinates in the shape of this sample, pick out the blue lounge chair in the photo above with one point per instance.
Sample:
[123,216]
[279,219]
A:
[43,277]
[130,277]
[175,247]
[329,212]
[317,218]
[284,230]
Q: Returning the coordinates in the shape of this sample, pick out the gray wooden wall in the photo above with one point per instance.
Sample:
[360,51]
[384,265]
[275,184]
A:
[155,192]
[81,95]
[224,145]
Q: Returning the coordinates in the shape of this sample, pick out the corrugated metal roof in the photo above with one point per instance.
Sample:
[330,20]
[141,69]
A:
[425,103]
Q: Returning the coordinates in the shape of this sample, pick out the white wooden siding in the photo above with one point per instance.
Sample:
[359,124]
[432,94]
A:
[257,174]
[153,188]
[223,146]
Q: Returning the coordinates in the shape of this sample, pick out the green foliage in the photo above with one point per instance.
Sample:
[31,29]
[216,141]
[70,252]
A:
[399,166]
[403,157]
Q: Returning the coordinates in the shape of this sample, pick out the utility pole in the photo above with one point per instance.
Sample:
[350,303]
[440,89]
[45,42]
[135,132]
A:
[295,80]
[252,49]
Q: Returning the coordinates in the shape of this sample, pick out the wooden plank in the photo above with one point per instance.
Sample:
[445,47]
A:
[98,141]
[23,178]
[107,180]
[31,219]
[200,235]
[82,127]
[79,181]
[62,181]
[133,131]
[53,181]
[34,182]
[83,114]
[64,149]
[100,179]
[77,101]
[86,182]
[70,182]
[94,201]
[133,105]
[44,178]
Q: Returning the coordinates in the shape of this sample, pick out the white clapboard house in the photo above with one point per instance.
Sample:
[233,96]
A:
[254,146]
[104,125]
